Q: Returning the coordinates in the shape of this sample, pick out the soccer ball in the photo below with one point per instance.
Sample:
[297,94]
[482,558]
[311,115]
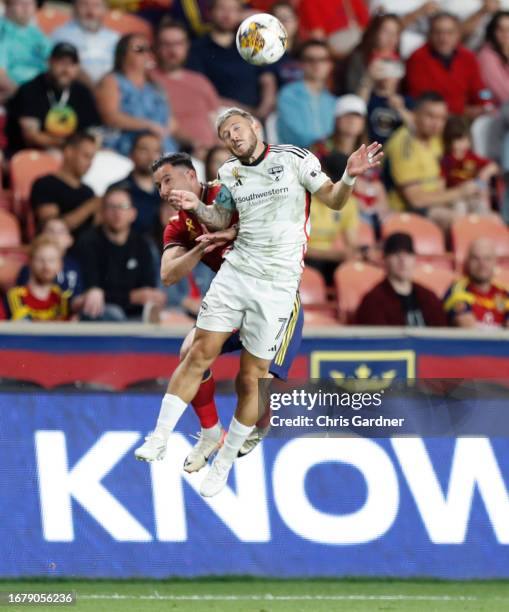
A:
[261,39]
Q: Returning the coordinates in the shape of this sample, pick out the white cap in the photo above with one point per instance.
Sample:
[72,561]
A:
[350,104]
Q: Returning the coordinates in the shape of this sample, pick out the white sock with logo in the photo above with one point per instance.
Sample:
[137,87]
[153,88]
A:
[235,438]
[214,432]
[172,408]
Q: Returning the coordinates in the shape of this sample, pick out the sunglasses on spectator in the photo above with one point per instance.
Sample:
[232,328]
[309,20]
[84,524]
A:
[119,206]
[316,59]
[141,49]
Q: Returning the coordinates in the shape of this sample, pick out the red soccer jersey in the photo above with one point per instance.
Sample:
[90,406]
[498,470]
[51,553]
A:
[23,305]
[184,228]
[457,171]
[490,308]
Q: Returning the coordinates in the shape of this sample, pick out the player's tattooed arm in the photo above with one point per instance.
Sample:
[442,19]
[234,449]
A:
[216,216]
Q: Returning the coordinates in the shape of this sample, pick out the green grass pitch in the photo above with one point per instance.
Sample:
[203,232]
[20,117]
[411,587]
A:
[252,595]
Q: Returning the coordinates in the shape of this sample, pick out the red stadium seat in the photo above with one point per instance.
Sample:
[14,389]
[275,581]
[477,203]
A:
[126,23]
[26,167]
[467,229]
[353,281]
[10,264]
[313,291]
[315,318]
[428,238]
[10,233]
[365,237]
[435,279]
[50,18]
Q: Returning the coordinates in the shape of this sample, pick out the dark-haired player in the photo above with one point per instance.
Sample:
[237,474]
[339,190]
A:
[182,250]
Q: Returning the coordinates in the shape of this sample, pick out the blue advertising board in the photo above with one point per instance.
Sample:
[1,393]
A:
[76,503]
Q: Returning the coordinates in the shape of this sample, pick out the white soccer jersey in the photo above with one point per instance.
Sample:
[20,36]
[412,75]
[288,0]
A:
[272,197]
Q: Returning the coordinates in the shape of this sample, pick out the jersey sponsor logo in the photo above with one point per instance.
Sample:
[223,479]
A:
[237,176]
[276,172]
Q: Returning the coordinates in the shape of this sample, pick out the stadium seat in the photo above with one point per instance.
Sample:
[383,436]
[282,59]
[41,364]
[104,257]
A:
[50,18]
[487,133]
[365,237]
[353,280]
[428,237]
[470,227]
[10,233]
[126,23]
[11,262]
[313,291]
[435,279]
[26,167]
[108,167]
[315,318]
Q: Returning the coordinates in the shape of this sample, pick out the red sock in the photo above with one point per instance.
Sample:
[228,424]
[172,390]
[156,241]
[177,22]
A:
[264,420]
[204,404]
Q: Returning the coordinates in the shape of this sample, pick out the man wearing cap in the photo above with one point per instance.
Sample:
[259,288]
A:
[305,108]
[397,300]
[53,106]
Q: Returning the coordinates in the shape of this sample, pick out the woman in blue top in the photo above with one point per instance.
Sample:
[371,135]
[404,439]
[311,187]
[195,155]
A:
[129,102]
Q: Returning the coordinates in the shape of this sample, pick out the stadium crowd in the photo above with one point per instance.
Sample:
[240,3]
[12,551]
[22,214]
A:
[92,96]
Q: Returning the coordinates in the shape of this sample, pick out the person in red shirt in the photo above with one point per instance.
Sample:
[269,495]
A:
[397,300]
[184,245]
[460,164]
[41,299]
[476,300]
[445,66]
[340,21]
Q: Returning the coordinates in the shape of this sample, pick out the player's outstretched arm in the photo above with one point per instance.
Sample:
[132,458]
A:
[177,263]
[335,195]
[214,216]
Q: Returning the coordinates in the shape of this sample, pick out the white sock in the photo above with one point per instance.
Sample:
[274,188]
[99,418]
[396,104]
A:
[172,408]
[235,438]
[213,432]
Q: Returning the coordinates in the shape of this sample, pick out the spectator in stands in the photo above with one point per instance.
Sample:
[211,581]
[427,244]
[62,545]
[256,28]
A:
[47,110]
[193,98]
[63,194]
[379,41]
[117,264]
[288,68]
[215,55]
[41,299]
[387,108]
[397,300]
[144,196]
[349,134]
[476,300]
[445,66]
[69,278]
[95,43]
[340,22]
[334,235]
[474,16]
[23,47]
[460,164]
[306,108]
[413,165]
[494,57]
[413,16]
[194,16]
[129,102]
[216,157]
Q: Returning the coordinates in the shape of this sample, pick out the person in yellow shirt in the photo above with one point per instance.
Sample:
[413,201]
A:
[413,165]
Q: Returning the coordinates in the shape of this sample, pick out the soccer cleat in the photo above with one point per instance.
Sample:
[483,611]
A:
[202,451]
[154,449]
[215,481]
[252,441]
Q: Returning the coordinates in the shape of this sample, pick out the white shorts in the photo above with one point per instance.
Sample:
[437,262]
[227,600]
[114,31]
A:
[258,308]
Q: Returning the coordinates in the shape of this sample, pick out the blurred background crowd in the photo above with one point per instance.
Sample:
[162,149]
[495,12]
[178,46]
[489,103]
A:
[92,92]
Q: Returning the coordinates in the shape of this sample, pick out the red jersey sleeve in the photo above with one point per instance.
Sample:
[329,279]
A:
[175,233]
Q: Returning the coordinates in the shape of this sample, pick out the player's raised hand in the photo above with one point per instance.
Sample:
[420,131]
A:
[183,200]
[364,158]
